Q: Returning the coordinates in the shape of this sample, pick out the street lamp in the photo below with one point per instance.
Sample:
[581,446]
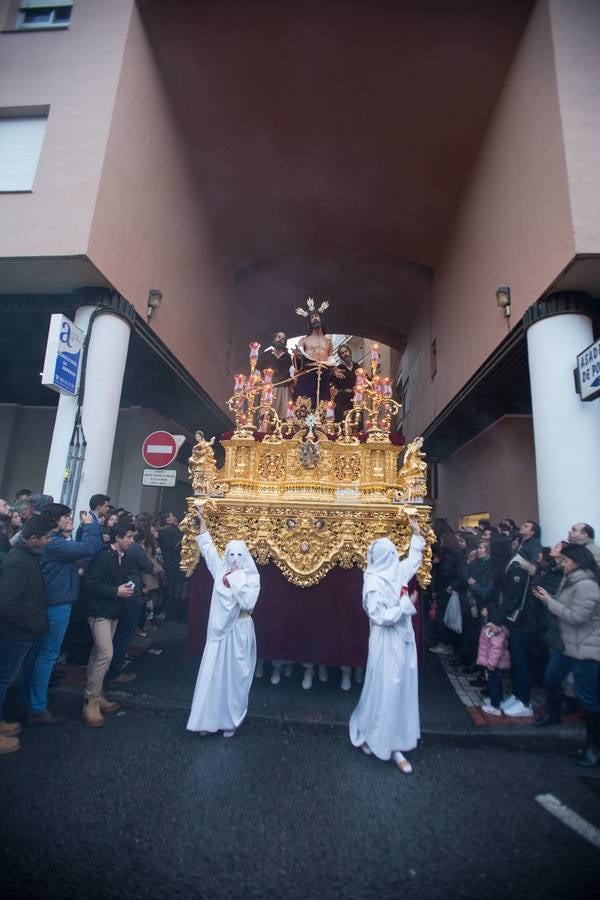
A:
[503,299]
[154,300]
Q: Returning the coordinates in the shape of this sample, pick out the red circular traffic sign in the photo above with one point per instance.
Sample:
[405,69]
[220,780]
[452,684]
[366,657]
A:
[159,449]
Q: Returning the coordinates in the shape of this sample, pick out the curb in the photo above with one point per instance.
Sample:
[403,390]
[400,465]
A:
[557,737]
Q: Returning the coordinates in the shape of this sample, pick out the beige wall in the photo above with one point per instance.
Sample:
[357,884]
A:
[75,72]
[114,183]
[25,436]
[125,481]
[148,229]
[576,33]
[513,227]
[493,473]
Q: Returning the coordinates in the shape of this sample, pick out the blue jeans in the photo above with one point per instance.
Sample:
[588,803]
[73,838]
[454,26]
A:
[557,670]
[40,662]
[128,622]
[520,679]
[12,654]
[586,673]
[494,679]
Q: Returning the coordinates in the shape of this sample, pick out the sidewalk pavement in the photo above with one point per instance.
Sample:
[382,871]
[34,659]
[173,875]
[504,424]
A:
[449,705]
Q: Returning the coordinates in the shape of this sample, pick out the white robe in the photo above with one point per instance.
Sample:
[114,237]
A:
[229,659]
[387,715]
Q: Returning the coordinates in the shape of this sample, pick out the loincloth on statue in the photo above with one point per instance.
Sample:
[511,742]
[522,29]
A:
[313,382]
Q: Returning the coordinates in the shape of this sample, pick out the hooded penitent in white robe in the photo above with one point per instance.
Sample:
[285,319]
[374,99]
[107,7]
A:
[227,667]
[387,715]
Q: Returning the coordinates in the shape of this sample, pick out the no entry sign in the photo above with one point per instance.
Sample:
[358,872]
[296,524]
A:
[159,449]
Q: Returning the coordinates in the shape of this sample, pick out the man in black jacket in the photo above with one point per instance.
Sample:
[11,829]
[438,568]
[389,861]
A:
[23,615]
[138,562]
[107,585]
[521,613]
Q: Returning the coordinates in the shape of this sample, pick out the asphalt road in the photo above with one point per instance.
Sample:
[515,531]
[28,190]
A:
[142,808]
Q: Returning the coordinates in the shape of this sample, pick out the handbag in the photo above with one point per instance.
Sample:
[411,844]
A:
[453,614]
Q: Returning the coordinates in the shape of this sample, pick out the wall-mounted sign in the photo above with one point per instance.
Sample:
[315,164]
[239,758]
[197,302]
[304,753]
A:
[588,371]
[64,351]
[159,477]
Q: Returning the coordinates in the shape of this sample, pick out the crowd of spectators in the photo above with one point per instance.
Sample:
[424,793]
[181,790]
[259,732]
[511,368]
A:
[503,607]
[80,596]
[501,604]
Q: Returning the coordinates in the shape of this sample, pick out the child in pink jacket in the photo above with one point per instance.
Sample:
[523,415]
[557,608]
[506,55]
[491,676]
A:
[494,656]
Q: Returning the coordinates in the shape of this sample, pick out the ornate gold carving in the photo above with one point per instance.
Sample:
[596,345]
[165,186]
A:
[242,461]
[377,465]
[308,519]
[202,466]
[271,466]
[347,466]
[413,475]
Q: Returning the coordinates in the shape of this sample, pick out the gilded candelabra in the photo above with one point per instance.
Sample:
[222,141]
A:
[372,402]
[252,403]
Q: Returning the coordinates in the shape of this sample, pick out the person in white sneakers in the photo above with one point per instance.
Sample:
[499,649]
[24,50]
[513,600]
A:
[386,720]
[220,701]
[514,608]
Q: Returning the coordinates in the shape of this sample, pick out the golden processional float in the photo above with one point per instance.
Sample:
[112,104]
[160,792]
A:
[308,493]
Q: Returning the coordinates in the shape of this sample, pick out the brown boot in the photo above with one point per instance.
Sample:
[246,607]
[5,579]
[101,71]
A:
[8,744]
[91,712]
[10,729]
[123,678]
[107,706]
[44,718]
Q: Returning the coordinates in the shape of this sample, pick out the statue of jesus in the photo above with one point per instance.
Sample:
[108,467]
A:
[313,358]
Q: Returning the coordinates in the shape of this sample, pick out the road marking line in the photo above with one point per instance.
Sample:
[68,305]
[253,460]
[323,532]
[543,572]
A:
[569,818]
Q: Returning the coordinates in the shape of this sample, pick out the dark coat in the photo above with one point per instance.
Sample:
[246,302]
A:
[479,569]
[169,540]
[138,562]
[550,579]
[445,572]
[4,541]
[100,583]
[60,563]
[23,615]
[516,606]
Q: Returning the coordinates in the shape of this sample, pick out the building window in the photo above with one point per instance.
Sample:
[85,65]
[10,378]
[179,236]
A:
[21,140]
[433,357]
[42,14]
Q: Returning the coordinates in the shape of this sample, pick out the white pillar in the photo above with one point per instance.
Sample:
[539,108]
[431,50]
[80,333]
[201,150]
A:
[63,426]
[106,359]
[566,430]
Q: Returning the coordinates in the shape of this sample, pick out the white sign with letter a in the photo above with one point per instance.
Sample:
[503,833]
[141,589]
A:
[64,351]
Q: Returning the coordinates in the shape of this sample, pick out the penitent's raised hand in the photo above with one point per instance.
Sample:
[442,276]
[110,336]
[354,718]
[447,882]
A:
[202,527]
[414,525]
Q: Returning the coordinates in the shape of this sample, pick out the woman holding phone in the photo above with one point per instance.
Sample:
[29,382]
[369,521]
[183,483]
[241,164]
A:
[577,607]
